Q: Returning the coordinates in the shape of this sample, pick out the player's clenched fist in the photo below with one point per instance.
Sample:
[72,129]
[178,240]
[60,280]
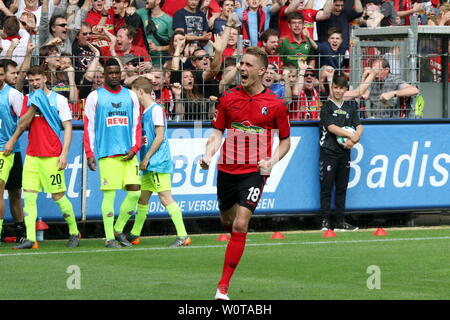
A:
[204,163]
[92,164]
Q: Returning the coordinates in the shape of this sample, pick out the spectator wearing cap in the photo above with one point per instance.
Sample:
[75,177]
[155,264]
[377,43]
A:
[310,15]
[121,18]
[15,41]
[340,19]
[158,30]
[298,45]
[131,65]
[57,27]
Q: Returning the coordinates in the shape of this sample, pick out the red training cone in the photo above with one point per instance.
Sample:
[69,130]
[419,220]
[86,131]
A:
[41,225]
[380,232]
[277,235]
[223,237]
[329,233]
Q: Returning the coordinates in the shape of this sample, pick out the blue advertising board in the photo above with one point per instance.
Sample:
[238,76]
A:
[395,166]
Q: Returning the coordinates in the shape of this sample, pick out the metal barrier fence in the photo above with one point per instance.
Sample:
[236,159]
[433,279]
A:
[417,55]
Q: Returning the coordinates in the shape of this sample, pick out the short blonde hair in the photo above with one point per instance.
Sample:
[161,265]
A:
[142,83]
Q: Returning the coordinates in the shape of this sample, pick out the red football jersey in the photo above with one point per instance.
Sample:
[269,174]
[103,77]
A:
[251,123]
[42,140]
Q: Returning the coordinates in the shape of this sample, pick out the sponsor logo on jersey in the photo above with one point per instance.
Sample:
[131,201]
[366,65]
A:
[116,105]
[116,121]
[246,126]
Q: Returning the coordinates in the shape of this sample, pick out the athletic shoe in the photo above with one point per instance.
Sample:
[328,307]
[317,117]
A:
[122,238]
[325,225]
[135,240]
[181,242]
[20,232]
[74,240]
[222,293]
[26,244]
[346,227]
[112,244]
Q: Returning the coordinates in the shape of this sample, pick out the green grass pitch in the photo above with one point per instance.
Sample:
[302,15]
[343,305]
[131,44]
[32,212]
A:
[413,264]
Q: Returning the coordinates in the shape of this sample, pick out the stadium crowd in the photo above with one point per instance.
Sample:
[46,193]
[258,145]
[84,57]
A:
[191,49]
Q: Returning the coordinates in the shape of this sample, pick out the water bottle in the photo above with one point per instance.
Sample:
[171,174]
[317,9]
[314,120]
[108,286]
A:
[40,233]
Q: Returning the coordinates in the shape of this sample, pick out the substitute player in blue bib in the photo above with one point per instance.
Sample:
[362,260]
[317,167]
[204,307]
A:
[156,164]
[14,183]
[10,105]
[112,131]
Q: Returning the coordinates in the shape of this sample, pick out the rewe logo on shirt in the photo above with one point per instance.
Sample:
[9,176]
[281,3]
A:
[117,121]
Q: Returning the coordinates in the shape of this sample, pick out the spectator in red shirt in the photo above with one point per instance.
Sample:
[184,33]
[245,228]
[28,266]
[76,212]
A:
[125,37]
[101,15]
[121,18]
[172,6]
[309,14]
[231,49]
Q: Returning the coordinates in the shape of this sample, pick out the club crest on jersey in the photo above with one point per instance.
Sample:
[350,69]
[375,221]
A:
[116,105]
[264,111]
[105,182]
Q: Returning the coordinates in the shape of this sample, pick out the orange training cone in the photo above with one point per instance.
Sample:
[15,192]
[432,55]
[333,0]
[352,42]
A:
[329,233]
[380,232]
[277,235]
[223,237]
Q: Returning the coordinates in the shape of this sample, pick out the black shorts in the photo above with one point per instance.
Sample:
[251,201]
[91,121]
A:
[243,189]
[15,175]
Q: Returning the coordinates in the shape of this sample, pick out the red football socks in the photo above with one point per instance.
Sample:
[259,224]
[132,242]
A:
[233,254]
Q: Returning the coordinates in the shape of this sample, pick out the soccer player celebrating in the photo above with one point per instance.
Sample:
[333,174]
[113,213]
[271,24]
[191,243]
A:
[112,131]
[251,114]
[46,113]
[10,105]
[156,163]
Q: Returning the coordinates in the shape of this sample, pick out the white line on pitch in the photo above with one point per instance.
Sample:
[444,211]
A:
[218,246]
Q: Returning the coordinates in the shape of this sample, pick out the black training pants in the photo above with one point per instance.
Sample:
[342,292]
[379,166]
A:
[334,172]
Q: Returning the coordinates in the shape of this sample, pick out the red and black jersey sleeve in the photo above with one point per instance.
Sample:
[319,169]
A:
[220,119]
[282,120]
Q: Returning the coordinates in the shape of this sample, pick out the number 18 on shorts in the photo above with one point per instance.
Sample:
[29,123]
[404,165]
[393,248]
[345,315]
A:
[243,189]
